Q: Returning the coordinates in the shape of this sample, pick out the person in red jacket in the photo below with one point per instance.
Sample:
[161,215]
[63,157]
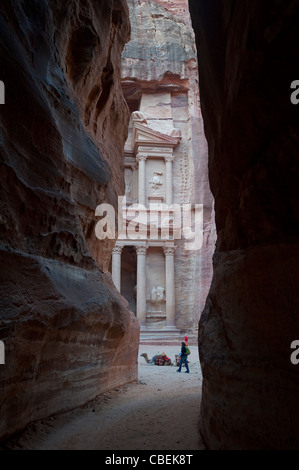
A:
[186,340]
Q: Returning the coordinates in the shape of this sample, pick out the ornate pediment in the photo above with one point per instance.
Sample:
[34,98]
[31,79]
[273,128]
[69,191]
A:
[145,136]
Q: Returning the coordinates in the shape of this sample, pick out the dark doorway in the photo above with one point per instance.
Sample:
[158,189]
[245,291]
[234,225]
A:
[129,276]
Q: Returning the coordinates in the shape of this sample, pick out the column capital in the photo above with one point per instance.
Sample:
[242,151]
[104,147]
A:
[141,250]
[141,157]
[169,250]
[117,249]
[169,158]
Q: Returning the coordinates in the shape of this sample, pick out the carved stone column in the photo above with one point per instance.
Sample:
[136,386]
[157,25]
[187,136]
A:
[141,178]
[134,178]
[170,285]
[169,162]
[116,266]
[141,284]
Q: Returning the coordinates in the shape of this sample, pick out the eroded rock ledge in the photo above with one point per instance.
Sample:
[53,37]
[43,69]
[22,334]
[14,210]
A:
[68,335]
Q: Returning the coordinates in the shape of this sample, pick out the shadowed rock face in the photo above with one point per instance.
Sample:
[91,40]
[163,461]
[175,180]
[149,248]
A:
[68,335]
[248,59]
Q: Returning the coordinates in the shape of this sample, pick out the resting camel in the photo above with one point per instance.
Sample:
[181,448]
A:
[158,360]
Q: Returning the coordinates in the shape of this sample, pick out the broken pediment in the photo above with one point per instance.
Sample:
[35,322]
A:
[144,135]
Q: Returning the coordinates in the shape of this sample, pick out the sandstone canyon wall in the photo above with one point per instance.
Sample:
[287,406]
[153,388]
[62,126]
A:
[68,335]
[248,60]
[160,78]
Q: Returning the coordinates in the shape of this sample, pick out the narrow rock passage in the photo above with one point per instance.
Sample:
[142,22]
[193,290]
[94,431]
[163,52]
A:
[160,412]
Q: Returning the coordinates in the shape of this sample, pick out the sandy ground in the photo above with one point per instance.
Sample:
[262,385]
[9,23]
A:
[159,412]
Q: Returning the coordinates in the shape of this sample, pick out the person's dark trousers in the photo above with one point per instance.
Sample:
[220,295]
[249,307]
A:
[184,360]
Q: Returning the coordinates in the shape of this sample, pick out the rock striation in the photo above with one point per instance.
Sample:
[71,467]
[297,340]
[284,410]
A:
[68,334]
[248,60]
[178,8]
[160,44]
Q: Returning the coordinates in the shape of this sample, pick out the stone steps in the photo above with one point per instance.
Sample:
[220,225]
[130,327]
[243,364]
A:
[166,336]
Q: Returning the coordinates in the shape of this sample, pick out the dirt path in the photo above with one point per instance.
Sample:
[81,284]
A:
[160,412]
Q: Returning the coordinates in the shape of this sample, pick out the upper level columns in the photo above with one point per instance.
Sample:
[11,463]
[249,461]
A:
[141,158]
[169,162]
[141,179]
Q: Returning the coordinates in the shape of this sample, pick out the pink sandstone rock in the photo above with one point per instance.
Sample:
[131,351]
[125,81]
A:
[248,60]
[179,8]
[68,334]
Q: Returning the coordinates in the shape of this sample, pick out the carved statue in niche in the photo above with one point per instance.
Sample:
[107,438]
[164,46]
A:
[157,295]
[156,182]
[156,315]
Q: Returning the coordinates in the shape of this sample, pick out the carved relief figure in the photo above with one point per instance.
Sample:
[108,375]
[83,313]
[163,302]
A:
[156,182]
[157,295]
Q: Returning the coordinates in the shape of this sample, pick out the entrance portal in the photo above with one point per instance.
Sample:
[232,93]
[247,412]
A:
[129,276]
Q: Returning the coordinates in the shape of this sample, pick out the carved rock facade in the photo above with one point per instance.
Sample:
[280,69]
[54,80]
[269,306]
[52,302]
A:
[166,159]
